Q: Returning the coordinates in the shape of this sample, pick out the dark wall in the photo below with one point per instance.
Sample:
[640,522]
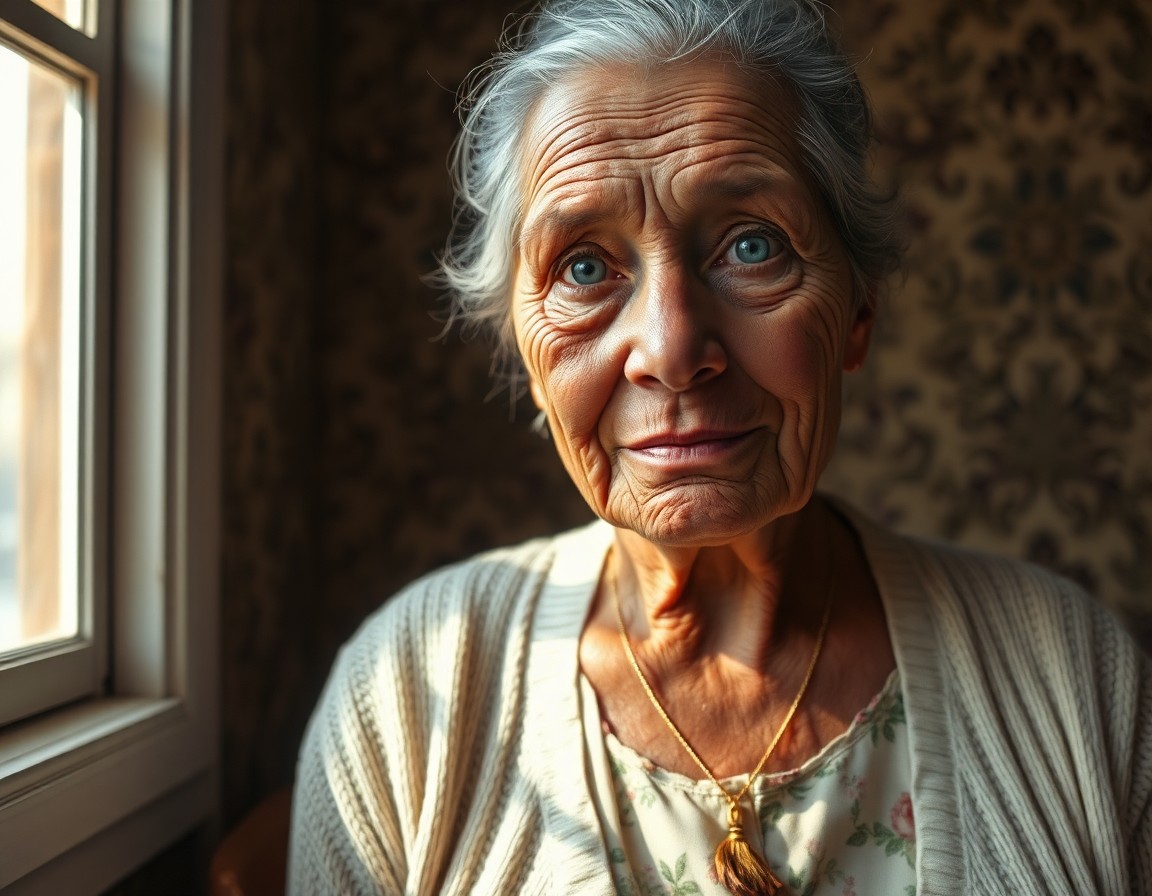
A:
[360,450]
[270,591]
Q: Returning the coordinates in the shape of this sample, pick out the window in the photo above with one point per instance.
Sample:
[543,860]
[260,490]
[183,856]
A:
[110,169]
[49,106]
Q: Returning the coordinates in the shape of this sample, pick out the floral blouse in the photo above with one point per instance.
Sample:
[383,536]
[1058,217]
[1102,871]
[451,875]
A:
[839,825]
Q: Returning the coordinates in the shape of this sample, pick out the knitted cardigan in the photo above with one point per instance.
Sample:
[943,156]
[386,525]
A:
[446,755]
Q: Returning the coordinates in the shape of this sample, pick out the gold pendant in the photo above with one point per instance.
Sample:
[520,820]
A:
[738,867]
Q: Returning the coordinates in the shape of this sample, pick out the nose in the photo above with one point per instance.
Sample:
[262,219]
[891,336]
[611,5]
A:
[674,338]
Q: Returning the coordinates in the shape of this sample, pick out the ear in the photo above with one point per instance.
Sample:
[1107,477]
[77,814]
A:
[859,336]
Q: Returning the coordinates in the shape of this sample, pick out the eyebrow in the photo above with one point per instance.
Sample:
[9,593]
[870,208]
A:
[763,188]
[558,219]
[742,186]
[733,186]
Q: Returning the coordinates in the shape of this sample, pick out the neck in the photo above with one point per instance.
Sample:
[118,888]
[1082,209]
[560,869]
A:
[741,599]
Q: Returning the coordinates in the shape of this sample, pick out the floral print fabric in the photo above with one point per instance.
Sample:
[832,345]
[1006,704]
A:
[842,824]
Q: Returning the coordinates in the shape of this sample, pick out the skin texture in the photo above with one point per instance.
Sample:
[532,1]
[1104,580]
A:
[684,310]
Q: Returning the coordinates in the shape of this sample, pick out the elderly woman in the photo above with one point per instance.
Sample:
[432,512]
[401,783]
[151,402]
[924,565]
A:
[727,684]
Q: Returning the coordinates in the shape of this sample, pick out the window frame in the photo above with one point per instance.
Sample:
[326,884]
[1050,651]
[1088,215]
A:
[91,790]
[44,676]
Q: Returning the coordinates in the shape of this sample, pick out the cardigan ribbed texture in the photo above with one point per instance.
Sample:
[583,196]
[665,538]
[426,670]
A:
[446,754]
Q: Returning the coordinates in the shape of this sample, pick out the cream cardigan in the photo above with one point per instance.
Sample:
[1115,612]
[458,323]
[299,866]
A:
[446,755]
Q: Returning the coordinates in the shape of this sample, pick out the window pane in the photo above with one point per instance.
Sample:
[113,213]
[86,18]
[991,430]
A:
[71,11]
[40,180]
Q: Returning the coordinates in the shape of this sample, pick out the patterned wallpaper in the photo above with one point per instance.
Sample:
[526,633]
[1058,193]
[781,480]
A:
[361,446]
[1007,403]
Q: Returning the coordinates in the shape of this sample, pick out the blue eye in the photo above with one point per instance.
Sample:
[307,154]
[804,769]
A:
[754,248]
[586,271]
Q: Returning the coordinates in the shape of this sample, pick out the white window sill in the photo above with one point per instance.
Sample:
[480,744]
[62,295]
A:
[86,790]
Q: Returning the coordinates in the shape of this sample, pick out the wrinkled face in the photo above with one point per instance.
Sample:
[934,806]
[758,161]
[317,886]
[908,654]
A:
[682,303]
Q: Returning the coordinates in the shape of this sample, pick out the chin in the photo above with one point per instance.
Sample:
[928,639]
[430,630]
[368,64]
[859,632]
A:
[698,517]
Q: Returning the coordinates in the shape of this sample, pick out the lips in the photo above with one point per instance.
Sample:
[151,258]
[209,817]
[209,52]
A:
[682,439]
[691,450]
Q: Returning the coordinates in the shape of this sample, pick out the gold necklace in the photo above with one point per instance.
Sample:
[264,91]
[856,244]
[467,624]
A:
[738,868]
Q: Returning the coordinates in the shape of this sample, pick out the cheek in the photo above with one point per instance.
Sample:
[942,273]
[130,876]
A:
[573,382]
[562,361]
[579,393]
[792,354]
[558,362]
[577,386]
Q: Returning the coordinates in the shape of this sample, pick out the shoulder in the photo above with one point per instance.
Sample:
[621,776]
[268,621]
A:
[472,603]
[475,613]
[1001,600]
[978,610]
[963,591]
[444,649]
[1000,624]
[479,590]
[1017,682]
[983,580]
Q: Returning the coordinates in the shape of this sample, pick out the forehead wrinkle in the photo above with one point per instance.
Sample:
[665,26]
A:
[718,187]
[588,118]
[570,129]
[641,127]
[744,178]
[652,139]
[683,147]
[745,171]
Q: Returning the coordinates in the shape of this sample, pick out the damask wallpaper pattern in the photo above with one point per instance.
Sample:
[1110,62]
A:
[1007,404]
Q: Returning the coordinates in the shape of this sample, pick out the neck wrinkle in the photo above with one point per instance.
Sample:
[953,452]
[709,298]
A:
[744,601]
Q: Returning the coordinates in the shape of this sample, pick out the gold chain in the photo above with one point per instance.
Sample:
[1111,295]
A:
[733,801]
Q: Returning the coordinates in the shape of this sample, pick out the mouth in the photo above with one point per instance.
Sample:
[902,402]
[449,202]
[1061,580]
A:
[690,445]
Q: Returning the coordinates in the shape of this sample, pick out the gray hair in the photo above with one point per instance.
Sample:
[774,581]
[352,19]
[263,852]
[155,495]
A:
[782,39]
